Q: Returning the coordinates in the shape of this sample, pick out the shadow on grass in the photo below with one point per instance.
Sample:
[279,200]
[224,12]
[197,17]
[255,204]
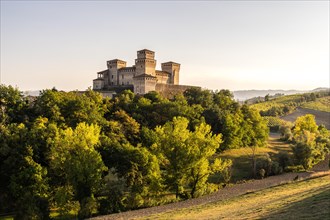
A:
[313,207]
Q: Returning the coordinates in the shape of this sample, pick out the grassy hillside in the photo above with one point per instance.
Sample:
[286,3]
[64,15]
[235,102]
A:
[309,199]
[321,104]
[241,158]
[302,100]
[277,102]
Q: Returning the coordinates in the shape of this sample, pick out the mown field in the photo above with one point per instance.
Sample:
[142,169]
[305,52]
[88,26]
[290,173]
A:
[241,158]
[309,199]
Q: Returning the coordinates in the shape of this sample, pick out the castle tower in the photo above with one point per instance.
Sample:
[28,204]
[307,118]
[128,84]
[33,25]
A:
[113,66]
[145,63]
[174,70]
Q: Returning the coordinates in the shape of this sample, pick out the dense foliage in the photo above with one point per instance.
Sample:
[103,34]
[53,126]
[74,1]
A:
[76,152]
[311,143]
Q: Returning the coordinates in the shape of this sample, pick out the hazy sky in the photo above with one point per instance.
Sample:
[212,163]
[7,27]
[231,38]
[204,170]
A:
[220,44]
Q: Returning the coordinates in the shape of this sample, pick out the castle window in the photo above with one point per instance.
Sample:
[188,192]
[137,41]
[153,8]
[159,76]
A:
[111,76]
[110,67]
[122,76]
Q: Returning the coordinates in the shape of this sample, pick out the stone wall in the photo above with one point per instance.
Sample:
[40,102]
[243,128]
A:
[170,90]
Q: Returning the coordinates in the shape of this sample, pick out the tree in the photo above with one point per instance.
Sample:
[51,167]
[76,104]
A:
[266,97]
[74,157]
[133,166]
[255,133]
[312,142]
[13,105]
[196,95]
[302,124]
[23,182]
[184,154]
[70,108]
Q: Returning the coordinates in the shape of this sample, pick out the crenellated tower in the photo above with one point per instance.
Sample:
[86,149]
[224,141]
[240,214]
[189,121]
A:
[145,63]
[113,67]
[174,70]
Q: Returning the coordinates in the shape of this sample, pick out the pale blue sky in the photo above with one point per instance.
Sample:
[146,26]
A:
[220,44]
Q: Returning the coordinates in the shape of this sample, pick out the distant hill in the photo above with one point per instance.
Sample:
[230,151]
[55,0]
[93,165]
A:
[240,95]
[243,95]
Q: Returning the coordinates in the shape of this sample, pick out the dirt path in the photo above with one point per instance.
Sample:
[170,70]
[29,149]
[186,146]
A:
[226,193]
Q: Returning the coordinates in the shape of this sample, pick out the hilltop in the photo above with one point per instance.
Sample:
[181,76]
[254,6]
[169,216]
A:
[243,95]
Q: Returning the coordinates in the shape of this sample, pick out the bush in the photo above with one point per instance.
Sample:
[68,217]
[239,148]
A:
[261,173]
[270,167]
[276,169]
[284,160]
[265,163]
[286,133]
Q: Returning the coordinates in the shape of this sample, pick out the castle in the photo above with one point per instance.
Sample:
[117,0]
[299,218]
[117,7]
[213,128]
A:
[141,78]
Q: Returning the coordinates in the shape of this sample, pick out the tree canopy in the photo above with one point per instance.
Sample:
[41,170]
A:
[78,152]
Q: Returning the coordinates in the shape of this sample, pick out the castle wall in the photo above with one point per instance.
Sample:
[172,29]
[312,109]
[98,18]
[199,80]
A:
[125,76]
[98,84]
[162,78]
[143,85]
[170,90]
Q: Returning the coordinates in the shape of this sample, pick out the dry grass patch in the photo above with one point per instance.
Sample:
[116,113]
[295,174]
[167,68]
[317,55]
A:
[309,199]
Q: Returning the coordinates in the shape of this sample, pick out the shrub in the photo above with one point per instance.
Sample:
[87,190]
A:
[286,133]
[284,160]
[270,167]
[276,169]
[261,173]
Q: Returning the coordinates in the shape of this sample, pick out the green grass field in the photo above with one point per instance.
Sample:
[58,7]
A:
[242,165]
[277,102]
[309,199]
[321,104]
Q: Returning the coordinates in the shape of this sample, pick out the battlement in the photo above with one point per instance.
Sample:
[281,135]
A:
[145,54]
[127,69]
[116,61]
[170,63]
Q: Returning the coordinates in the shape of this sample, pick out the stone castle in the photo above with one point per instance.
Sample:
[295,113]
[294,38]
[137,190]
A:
[141,78]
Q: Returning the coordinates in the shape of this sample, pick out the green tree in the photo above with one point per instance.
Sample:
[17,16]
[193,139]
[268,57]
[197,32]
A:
[184,154]
[23,182]
[74,156]
[70,108]
[13,105]
[255,133]
[312,142]
[302,124]
[196,95]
